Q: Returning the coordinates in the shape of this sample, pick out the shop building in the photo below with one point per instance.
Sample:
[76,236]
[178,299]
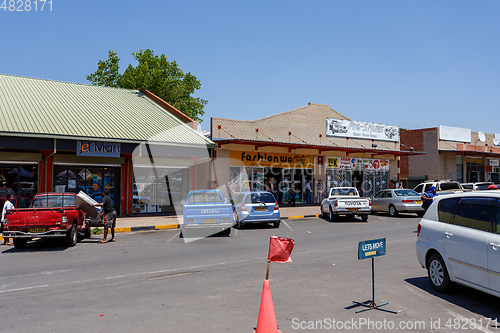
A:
[66,137]
[306,144]
[451,153]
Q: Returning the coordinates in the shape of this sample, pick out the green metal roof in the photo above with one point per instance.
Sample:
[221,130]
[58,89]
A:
[43,108]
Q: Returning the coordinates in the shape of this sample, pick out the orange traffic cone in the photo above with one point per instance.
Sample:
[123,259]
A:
[266,323]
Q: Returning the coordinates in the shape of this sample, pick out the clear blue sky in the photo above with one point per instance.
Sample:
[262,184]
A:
[412,64]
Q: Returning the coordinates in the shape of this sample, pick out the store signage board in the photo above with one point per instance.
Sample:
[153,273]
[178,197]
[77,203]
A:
[361,130]
[99,149]
[264,159]
[357,163]
[371,248]
[457,134]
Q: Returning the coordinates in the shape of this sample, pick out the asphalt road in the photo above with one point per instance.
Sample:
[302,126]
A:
[154,282]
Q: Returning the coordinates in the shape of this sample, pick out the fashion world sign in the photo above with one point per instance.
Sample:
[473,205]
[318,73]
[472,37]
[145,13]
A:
[245,158]
[99,149]
[362,130]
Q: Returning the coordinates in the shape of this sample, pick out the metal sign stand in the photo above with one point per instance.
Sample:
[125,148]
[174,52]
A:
[372,305]
[372,248]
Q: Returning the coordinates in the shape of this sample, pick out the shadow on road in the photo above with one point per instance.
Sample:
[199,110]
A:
[473,300]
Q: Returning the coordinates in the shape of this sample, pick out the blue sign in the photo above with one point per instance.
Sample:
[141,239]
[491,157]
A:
[371,248]
[100,149]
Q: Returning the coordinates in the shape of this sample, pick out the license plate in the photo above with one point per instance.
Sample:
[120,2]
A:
[352,209]
[210,221]
[418,201]
[36,230]
[260,208]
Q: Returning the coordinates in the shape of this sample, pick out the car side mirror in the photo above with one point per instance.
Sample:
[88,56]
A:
[183,202]
[225,200]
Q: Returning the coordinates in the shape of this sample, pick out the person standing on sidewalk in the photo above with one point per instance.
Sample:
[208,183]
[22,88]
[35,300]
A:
[109,217]
[308,192]
[319,191]
[8,205]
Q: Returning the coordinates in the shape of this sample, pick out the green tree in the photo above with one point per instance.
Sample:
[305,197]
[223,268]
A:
[155,73]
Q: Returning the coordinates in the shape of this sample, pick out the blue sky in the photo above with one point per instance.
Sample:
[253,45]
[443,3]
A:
[413,64]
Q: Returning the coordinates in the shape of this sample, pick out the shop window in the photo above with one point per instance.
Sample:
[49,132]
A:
[20,180]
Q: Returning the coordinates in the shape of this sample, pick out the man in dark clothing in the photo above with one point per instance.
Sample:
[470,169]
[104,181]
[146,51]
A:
[428,196]
[109,217]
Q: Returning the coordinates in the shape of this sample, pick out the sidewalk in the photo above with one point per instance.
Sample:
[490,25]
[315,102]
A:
[141,223]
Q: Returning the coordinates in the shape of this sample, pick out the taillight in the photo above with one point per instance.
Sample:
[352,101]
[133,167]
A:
[65,217]
[243,207]
[419,227]
[369,202]
[276,207]
[335,203]
[409,201]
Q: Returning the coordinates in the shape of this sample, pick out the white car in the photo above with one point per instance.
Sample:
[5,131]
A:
[459,241]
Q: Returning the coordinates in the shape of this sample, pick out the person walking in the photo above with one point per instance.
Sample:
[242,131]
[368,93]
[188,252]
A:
[319,191]
[428,196]
[293,193]
[109,217]
[9,204]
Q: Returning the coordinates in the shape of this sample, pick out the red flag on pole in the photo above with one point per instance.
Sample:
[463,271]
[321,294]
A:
[280,249]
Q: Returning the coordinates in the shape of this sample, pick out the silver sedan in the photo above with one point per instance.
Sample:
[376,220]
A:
[397,201]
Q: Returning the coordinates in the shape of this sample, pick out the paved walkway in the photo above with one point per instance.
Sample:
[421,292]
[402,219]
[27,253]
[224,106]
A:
[138,223]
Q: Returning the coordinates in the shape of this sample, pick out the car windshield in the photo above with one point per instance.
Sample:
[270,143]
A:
[205,197]
[483,186]
[450,186]
[260,198]
[343,191]
[44,201]
[404,193]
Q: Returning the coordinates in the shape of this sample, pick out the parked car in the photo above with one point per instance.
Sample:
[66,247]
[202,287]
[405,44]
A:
[52,215]
[256,207]
[208,210]
[480,186]
[443,187]
[345,201]
[397,201]
[459,241]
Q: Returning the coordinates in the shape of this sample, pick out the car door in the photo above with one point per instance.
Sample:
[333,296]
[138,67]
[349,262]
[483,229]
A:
[377,199]
[493,250]
[466,238]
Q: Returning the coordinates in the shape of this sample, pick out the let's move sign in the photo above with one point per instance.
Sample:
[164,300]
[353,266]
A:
[371,248]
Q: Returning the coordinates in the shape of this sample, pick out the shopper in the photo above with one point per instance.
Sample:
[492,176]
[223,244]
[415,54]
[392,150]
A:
[308,192]
[109,217]
[428,196]
[319,191]
[9,204]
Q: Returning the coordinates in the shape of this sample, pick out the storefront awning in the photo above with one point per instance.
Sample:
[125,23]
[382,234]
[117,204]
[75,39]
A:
[320,148]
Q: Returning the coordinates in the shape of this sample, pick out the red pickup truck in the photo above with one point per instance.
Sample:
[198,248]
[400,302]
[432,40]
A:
[51,215]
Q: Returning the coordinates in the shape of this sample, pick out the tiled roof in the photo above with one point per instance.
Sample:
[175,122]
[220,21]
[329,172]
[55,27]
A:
[44,108]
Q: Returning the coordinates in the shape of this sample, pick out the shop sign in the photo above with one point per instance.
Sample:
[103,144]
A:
[494,162]
[100,149]
[362,130]
[259,159]
[357,163]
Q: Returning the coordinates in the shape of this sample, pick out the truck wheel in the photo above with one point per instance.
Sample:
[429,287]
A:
[364,217]
[332,215]
[393,211]
[87,232]
[438,274]
[276,224]
[71,236]
[20,243]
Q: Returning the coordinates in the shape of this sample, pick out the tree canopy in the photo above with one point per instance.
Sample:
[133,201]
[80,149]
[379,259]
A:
[155,73]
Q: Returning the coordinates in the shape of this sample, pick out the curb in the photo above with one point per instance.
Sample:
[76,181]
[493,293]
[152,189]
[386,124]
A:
[299,217]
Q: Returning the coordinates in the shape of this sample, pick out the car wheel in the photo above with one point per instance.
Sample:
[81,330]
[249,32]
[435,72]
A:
[364,217]
[237,220]
[276,224]
[87,232]
[323,214]
[20,243]
[393,211]
[438,274]
[332,215]
[71,236]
